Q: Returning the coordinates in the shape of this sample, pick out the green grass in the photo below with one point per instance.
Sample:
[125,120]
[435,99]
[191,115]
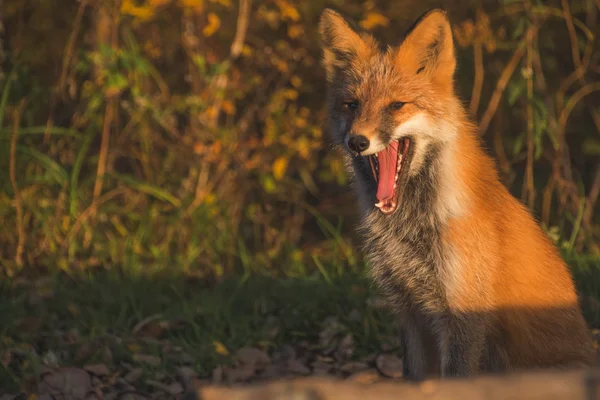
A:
[80,320]
[97,310]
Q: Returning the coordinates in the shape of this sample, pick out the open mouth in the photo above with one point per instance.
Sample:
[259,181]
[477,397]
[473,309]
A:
[389,167]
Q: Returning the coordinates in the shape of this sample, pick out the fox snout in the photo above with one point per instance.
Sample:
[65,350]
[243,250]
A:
[358,143]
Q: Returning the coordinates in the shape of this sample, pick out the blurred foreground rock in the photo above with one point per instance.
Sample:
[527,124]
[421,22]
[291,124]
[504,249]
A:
[551,385]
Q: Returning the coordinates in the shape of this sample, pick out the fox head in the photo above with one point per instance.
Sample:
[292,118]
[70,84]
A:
[390,105]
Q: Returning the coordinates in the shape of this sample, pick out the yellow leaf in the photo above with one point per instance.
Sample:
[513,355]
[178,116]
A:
[158,3]
[220,348]
[214,23]
[295,31]
[279,167]
[228,107]
[373,20]
[133,347]
[66,222]
[129,8]
[210,199]
[195,5]
[296,81]
[300,122]
[226,3]
[288,11]
[246,50]
[291,94]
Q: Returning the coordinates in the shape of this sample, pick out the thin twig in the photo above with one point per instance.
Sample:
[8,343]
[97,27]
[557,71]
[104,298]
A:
[221,82]
[572,34]
[88,212]
[592,198]
[572,102]
[13,181]
[505,76]
[108,116]
[528,192]
[64,68]
[479,75]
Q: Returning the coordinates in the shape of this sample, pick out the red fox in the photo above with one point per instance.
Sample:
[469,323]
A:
[475,283]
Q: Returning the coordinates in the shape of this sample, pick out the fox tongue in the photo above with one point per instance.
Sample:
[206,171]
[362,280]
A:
[387,158]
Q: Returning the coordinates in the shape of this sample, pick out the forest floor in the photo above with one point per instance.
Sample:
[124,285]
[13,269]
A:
[108,335]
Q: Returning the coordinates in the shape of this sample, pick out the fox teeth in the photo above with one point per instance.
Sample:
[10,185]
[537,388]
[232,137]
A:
[379,205]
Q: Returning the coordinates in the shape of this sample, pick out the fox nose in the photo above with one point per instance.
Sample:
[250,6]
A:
[358,143]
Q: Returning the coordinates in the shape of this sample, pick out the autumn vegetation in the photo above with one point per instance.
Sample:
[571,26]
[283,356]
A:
[168,138]
[189,134]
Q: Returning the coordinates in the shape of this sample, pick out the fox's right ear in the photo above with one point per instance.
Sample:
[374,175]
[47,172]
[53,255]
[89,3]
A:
[341,44]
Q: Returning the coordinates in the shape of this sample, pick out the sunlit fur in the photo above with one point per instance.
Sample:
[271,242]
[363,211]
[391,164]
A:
[475,283]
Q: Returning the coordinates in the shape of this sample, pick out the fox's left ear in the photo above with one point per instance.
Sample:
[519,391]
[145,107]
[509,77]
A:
[429,48]
[342,43]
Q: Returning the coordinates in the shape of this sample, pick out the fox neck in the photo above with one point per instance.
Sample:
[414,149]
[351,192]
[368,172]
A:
[436,188]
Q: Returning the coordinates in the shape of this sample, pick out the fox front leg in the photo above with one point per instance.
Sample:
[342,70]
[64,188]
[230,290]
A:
[462,346]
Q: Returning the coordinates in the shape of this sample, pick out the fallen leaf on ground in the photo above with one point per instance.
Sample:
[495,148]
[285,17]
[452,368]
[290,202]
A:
[389,365]
[133,375]
[252,356]
[297,367]
[354,366]
[97,369]
[240,374]
[69,382]
[220,348]
[147,359]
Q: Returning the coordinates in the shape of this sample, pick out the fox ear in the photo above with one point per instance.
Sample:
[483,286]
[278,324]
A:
[341,43]
[429,48]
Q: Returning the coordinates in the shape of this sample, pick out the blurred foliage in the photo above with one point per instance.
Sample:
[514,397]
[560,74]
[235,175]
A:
[189,134]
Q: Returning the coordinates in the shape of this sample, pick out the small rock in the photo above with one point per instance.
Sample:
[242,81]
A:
[186,373]
[147,359]
[389,365]
[252,356]
[218,374]
[345,348]
[353,367]
[297,367]
[70,382]
[174,388]
[285,353]
[240,374]
[97,369]
[320,368]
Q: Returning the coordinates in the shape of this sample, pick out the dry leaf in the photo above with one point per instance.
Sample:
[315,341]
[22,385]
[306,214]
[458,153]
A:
[133,375]
[214,23]
[97,369]
[68,382]
[279,167]
[252,356]
[147,359]
[389,365]
[296,367]
[220,348]
[240,374]
[373,20]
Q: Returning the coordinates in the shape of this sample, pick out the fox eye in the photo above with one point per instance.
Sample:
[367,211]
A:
[396,105]
[351,105]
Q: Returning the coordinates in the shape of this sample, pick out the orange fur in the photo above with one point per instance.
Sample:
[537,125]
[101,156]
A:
[472,276]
